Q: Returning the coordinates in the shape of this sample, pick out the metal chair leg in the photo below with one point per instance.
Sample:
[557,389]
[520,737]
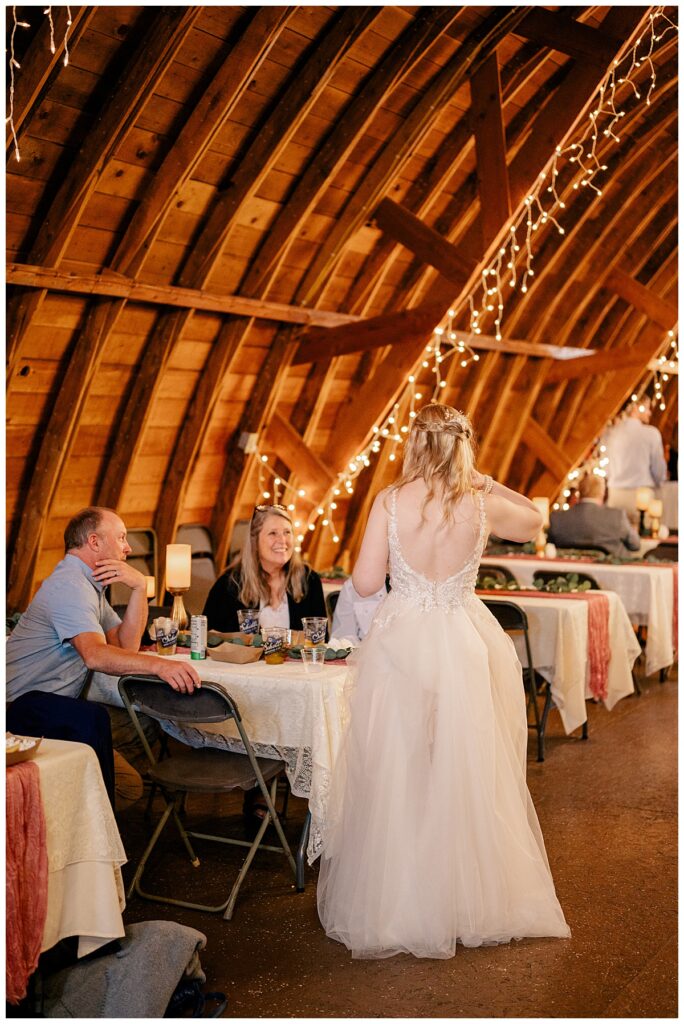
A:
[585,730]
[301,851]
[637,688]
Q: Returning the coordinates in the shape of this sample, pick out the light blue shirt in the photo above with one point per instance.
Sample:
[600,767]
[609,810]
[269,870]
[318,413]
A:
[635,451]
[39,655]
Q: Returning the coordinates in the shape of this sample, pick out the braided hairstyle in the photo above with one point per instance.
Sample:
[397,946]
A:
[441,449]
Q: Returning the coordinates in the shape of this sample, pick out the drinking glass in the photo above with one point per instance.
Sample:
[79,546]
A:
[314,630]
[248,620]
[313,658]
[166,633]
[276,640]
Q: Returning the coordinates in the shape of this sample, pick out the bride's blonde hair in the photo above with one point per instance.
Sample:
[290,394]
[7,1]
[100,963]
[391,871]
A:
[440,449]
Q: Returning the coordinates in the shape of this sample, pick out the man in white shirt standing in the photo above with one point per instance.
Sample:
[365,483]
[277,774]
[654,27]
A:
[635,451]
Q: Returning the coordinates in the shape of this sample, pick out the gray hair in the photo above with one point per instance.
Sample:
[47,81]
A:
[84,523]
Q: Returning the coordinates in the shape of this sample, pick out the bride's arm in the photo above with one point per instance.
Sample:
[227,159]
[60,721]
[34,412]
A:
[371,565]
[510,514]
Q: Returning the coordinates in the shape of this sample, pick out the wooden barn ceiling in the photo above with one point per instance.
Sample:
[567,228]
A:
[211,201]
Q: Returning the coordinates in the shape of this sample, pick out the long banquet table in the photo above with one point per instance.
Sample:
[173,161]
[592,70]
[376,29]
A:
[647,593]
[85,892]
[559,642]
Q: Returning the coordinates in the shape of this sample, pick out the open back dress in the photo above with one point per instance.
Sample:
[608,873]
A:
[433,837]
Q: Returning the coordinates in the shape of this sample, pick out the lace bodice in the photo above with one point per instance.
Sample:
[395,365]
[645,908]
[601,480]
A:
[413,586]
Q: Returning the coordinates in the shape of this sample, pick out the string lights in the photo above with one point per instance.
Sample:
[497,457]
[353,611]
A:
[14,65]
[572,167]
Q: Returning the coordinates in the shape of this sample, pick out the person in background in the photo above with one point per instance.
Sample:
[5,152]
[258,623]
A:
[70,628]
[590,523]
[636,458]
[354,614]
[269,575]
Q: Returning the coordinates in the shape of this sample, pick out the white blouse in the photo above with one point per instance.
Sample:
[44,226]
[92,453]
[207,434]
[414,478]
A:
[270,616]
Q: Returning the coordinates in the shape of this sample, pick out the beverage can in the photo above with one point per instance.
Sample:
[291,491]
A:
[198,637]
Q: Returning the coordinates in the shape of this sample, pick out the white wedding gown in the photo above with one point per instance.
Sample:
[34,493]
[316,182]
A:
[433,836]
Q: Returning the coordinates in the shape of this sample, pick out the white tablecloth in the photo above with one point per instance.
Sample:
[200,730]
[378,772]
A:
[302,714]
[647,594]
[85,853]
[558,630]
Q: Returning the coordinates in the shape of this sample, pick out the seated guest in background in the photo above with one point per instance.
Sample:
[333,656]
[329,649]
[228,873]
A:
[269,575]
[590,522]
[70,627]
[636,458]
[353,613]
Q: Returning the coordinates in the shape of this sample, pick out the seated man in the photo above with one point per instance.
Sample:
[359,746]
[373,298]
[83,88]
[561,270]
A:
[70,627]
[590,523]
[354,614]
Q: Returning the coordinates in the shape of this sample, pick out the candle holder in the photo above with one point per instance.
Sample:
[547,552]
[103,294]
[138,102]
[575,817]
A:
[540,544]
[178,612]
[178,574]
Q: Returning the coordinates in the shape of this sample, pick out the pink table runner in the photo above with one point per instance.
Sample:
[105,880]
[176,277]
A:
[27,876]
[599,632]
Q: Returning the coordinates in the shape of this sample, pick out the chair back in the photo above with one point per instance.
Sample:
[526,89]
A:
[665,551]
[512,619]
[331,600]
[547,575]
[151,696]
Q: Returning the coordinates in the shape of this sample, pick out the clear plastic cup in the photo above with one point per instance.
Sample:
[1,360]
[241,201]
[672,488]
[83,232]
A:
[313,658]
[166,634]
[314,627]
[248,620]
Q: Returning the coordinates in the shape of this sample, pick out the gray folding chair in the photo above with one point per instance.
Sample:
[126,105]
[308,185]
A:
[205,770]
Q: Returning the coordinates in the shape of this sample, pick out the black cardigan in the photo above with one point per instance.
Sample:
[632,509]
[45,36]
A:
[222,602]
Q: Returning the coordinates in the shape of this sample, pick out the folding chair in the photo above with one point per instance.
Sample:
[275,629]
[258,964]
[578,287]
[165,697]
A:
[512,618]
[205,770]
[331,600]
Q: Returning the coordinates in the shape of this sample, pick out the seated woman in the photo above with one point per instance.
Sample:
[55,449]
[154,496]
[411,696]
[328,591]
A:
[270,575]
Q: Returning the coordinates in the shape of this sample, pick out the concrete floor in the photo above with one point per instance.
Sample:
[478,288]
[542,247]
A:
[608,809]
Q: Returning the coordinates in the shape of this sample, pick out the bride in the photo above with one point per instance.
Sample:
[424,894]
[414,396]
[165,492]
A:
[433,836]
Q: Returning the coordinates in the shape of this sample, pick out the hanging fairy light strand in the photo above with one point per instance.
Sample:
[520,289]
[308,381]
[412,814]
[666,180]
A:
[570,168]
[14,65]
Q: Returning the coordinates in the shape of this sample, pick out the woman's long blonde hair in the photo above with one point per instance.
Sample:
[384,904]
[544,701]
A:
[254,583]
[440,449]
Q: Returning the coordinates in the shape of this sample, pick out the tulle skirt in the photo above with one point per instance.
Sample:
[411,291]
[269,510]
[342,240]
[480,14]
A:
[433,836]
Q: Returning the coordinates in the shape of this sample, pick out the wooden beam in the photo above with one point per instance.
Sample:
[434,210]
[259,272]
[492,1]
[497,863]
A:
[642,298]
[256,413]
[240,64]
[486,117]
[167,29]
[397,62]
[603,362]
[118,286]
[361,335]
[545,448]
[368,192]
[428,245]
[281,437]
[550,128]
[560,32]
[38,63]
